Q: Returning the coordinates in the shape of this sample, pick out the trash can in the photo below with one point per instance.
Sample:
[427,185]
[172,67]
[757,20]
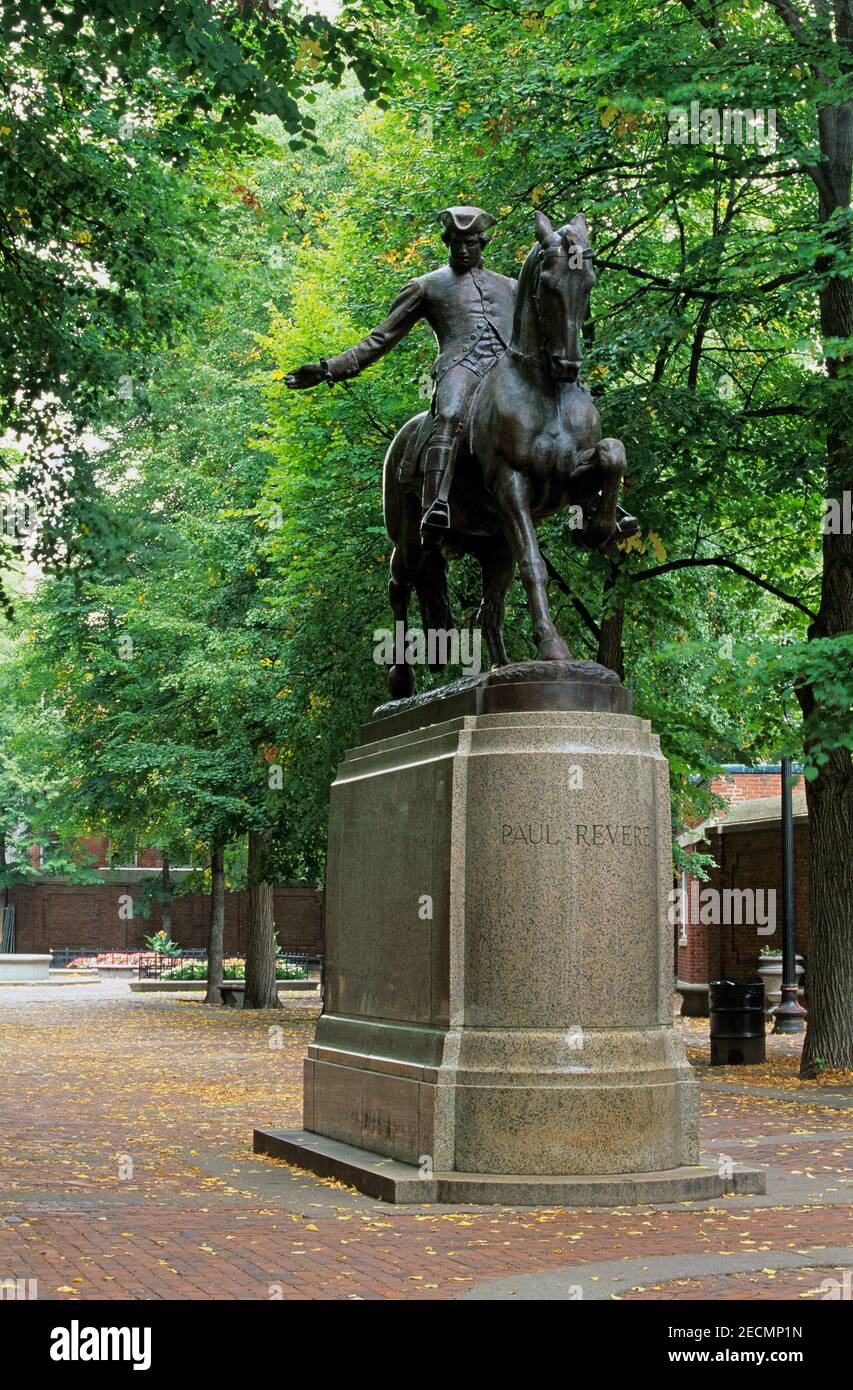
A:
[736,1009]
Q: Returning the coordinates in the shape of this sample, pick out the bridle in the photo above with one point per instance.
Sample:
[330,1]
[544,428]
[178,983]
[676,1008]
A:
[540,361]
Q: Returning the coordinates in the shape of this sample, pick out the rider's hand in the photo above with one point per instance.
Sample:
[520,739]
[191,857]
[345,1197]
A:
[311,374]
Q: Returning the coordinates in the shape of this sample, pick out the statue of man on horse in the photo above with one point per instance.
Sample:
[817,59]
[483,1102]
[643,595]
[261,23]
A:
[511,434]
[469,309]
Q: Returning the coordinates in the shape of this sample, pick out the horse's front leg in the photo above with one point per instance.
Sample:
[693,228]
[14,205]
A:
[511,495]
[604,469]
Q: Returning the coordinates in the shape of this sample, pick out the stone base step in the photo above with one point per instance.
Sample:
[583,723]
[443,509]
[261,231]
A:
[392,1181]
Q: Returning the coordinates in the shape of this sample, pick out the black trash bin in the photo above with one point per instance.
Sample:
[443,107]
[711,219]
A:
[736,1010]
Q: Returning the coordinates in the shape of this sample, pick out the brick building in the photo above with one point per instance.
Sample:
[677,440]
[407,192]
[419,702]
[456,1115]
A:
[51,914]
[720,935]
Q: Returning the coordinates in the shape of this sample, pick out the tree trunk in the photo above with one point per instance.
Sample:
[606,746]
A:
[3,867]
[261,990]
[829,1034]
[829,971]
[216,930]
[610,650]
[166,913]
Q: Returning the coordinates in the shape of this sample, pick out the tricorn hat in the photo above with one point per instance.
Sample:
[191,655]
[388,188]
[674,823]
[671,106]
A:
[464,219]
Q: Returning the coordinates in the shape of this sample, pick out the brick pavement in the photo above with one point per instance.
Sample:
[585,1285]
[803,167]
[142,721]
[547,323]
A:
[126,1171]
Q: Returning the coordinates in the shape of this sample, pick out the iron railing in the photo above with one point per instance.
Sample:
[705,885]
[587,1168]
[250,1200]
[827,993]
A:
[157,965]
[61,956]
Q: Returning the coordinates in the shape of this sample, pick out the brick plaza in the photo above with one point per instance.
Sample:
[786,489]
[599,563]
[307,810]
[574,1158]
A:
[126,1172]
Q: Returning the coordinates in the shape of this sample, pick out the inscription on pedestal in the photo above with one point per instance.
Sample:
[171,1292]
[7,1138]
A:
[580,833]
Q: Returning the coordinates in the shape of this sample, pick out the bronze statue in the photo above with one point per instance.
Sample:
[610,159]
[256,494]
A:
[511,434]
[469,309]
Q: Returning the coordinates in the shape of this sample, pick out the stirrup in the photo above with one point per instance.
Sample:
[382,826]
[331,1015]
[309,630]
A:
[436,517]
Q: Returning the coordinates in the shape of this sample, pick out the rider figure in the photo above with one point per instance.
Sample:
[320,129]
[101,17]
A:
[470,310]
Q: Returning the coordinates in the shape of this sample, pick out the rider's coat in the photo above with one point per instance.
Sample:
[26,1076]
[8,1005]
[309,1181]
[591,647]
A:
[470,312]
[461,307]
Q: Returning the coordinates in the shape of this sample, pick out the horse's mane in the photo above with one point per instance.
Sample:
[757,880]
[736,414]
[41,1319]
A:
[522,320]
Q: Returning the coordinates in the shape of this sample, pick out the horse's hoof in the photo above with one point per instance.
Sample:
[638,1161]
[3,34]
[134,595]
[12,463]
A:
[401,682]
[626,527]
[554,649]
[599,538]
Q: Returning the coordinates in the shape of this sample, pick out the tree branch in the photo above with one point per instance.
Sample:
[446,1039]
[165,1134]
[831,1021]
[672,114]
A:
[578,604]
[724,563]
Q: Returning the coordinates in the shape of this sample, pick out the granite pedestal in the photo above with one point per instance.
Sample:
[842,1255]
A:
[499,978]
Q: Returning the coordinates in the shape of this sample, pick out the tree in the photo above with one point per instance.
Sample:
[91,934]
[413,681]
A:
[261,989]
[161,648]
[36,802]
[108,115]
[216,930]
[246,558]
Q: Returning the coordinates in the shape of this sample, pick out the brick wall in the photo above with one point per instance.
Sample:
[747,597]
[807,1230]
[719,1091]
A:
[97,848]
[749,858]
[691,957]
[53,915]
[753,859]
[749,786]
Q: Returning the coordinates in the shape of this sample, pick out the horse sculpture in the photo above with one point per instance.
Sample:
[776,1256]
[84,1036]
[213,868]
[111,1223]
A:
[532,447]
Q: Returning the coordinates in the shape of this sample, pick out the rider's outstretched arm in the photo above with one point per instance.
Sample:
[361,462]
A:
[404,313]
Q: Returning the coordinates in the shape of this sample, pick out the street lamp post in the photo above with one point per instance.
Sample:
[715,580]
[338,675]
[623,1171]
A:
[789,1015]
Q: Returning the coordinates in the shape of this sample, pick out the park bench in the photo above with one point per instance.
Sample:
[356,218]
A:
[231,991]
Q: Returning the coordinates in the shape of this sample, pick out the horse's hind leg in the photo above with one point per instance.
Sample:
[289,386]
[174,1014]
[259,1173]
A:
[434,601]
[498,568]
[512,499]
[401,678]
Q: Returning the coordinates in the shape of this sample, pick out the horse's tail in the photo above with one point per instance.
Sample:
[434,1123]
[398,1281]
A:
[412,564]
[395,494]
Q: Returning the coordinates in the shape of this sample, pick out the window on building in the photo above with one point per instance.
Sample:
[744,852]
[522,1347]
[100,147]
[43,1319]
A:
[682,926]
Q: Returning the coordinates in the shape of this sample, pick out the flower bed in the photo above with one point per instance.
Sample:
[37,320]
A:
[233,968]
[126,958]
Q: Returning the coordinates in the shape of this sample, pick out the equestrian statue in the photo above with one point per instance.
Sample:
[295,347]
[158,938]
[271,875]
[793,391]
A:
[511,434]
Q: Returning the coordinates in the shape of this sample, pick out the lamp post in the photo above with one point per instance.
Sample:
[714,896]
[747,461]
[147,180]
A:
[789,1015]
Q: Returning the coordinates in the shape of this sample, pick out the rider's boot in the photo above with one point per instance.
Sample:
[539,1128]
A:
[438,466]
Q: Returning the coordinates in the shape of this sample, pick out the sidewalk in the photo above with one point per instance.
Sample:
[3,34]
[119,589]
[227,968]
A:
[126,1171]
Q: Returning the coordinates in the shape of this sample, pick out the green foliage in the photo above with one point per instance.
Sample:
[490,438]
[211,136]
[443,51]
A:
[824,666]
[162,945]
[34,800]
[231,970]
[228,533]
[188,970]
[114,120]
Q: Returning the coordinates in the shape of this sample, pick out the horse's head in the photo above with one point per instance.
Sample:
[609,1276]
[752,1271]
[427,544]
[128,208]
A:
[561,288]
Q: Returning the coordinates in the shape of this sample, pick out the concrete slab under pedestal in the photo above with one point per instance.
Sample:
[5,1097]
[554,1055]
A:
[391,1181]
